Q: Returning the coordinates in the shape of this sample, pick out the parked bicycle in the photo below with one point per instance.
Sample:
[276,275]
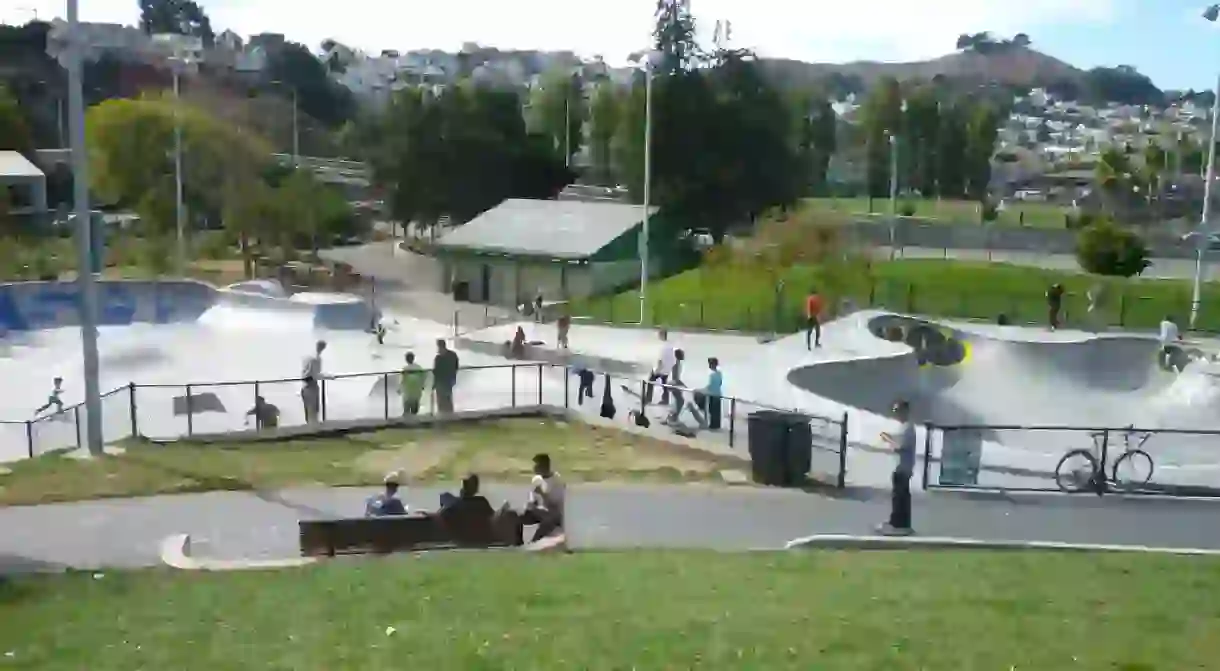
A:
[1082,470]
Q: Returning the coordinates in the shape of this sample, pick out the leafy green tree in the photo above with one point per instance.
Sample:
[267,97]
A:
[182,17]
[816,138]
[460,152]
[980,148]
[1106,249]
[318,95]
[15,132]
[560,110]
[605,115]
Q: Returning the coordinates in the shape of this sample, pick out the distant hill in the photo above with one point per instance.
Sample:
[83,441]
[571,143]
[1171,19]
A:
[1013,66]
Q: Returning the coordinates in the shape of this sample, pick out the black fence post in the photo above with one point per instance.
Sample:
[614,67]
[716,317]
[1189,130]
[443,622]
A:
[732,420]
[385,393]
[910,297]
[29,438]
[539,384]
[135,422]
[928,428]
[702,322]
[76,422]
[190,412]
[872,291]
[322,389]
[1099,478]
[514,381]
[1122,307]
[643,395]
[567,387]
[842,481]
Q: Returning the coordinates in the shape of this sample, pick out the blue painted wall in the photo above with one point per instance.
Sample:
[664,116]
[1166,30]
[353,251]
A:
[26,306]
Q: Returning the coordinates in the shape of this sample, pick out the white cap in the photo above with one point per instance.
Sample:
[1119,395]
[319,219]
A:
[392,478]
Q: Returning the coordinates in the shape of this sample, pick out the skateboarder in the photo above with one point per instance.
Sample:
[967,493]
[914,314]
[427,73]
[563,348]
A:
[813,320]
[1169,339]
[562,326]
[311,373]
[266,415]
[55,398]
[1054,303]
[661,369]
[414,378]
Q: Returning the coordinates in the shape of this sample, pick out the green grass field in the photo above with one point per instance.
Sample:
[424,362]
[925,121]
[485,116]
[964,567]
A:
[734,297]
[499,451]
[1015,213]
[632,610]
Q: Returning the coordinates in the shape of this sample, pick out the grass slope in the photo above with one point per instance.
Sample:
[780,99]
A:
[647,610]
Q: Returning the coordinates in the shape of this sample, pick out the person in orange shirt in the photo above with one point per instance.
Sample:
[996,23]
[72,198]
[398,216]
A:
[813,320]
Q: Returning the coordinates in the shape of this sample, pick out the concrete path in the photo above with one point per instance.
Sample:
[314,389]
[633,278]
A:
[1160,269]
[232,525]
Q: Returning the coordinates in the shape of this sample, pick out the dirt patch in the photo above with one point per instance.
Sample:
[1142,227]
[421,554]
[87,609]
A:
[411,459]
[492,462]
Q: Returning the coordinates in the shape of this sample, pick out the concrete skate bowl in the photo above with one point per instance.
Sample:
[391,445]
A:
[955,377]
[31,306]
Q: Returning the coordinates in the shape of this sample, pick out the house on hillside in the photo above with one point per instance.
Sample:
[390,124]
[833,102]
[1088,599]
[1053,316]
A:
[565,249]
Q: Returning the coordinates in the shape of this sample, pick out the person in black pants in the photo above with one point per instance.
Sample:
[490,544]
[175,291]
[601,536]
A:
[1054,303]
[585,390]
[903,443]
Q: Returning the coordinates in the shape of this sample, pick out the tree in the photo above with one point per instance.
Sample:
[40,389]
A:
[317,94]
[15,132]
[1106,249]
[559,109]
[181,17]
[980,148]
[1123,84]
[461,152]
[816,139]
[605,115]
[1021,40]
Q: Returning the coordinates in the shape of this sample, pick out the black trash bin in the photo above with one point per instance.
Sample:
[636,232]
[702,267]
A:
[798,445]
[461,291]
[767,435]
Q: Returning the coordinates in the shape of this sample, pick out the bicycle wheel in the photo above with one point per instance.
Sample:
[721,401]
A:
[1133,469]
[1075,471]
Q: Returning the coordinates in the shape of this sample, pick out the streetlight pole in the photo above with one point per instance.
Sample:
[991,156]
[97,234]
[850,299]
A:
[648,65]
[179,205]
[893,138]
[1203,233]
[86,284]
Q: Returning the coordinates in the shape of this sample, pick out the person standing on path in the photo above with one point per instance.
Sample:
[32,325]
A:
[311,375]
[708,399]
[904,444]
[562,326]
[661,369]
[414,379]
[444,376]
[1054,303]
[813,320]
[1169,339]
[676,384]
[538,307]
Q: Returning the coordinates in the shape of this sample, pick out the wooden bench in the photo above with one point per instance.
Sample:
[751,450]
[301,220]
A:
[404,533]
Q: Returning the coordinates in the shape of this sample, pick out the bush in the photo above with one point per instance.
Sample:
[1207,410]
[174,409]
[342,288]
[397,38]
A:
[988,212]
[1079,220]
[1106,249]
[906,209]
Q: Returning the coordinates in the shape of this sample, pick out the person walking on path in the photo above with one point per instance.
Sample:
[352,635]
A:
[538,307]
[1054,303]
[1170,339]
[414,379]
[676,385]
[444,376]
[661,369]
[708,398]
[813,320]
[903,443]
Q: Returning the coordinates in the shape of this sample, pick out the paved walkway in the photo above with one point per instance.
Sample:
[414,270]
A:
[230,525]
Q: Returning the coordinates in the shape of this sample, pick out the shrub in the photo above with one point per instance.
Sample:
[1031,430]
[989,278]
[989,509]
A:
[906,209]
[1106,249]
[988,212]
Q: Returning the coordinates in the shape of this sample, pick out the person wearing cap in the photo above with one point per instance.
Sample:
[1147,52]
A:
[386,503]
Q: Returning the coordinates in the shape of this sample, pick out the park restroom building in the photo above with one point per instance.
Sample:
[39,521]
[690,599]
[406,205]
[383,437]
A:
[567,249]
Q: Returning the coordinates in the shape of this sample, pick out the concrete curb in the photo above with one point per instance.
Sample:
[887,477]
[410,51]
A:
[176,553]
[850,542]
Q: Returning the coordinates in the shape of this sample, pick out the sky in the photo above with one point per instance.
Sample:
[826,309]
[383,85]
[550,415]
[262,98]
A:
[1166,39]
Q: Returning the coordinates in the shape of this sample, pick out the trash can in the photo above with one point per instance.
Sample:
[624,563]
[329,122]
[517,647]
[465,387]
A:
[767,435]
[798,446]
[461,291]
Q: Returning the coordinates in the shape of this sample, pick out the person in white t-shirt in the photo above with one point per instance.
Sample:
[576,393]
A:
[546,500]
[311,374]
[662,368]
[1169,338]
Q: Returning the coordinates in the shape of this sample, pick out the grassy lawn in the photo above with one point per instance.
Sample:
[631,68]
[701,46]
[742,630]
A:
[730,297]
[1015,213]
[499,451]
[642,610]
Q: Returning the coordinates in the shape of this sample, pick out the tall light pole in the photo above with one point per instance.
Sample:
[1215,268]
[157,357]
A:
[179,63]
[649,63]
[893,138]
[86,285]
[1203,233]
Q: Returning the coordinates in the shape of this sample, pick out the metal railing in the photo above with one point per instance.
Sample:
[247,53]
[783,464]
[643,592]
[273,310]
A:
[784,312]
[1095,460]
[171,411]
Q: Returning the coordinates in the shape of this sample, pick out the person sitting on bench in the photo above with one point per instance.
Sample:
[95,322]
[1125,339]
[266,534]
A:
[468,501]
[386,503]
[546,499]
